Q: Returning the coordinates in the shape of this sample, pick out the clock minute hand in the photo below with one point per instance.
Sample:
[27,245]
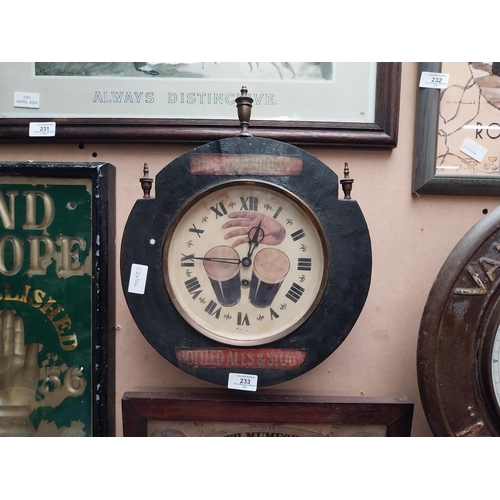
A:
[224,260]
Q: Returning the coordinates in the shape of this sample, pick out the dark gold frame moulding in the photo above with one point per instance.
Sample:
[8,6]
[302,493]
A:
[425,180]
[382,134]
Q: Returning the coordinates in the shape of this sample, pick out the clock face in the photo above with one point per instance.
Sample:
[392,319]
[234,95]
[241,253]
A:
[488,356]
[495,368]
[245,263]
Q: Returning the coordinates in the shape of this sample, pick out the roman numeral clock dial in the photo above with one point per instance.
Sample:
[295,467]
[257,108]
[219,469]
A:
[245,263]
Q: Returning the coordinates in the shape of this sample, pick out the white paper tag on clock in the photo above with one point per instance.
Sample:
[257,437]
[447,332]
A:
[242,382]
[473,149]
[434,80]
[137,280]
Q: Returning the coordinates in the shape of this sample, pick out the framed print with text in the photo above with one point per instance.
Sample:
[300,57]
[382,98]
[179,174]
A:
[457,148]
[215,414]
[57,299]
[353,105]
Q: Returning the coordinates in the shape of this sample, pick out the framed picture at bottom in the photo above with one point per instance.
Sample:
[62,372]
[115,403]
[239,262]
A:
[218,414]
[57,299]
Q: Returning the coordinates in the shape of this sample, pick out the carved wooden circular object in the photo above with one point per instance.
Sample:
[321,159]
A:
[458,344]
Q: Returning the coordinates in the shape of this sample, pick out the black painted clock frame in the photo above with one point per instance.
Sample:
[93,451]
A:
[349,270]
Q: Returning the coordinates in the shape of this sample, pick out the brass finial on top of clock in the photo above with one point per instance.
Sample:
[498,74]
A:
[244,105]
[146,182]
[346,182]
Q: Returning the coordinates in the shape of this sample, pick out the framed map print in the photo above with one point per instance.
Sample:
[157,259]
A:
[457,148]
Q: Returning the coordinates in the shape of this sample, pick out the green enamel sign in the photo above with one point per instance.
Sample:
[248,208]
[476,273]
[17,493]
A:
[47,365]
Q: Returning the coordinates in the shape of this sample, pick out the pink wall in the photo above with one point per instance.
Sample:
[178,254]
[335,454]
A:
[411,237]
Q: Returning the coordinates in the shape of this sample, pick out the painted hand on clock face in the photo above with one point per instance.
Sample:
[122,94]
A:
[254,228]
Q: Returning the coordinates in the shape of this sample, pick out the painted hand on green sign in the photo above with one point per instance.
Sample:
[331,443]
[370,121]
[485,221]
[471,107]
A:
[19,371]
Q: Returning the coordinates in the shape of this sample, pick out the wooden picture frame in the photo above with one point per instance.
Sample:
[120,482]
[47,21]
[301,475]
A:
[381,134]
[57,263]
[429,129]
[263,414]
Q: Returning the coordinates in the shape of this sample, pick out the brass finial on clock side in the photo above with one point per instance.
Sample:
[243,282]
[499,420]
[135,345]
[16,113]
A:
[146,182]
[346,182]
[244,105]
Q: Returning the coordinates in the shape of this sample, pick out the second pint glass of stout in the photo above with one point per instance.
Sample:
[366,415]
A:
[223,269]
[269,270]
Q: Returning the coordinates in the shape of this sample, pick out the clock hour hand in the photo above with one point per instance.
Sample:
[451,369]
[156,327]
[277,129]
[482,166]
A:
[254,239]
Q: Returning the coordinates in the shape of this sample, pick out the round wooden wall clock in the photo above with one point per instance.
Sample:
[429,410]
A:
[246,261]
[458,353]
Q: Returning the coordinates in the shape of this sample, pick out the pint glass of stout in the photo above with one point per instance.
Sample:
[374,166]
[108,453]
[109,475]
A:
[224,274]
[269,270]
